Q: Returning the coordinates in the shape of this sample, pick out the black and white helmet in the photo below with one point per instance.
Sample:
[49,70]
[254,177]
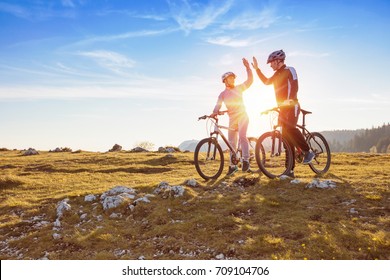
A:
[227,74]
[276,55]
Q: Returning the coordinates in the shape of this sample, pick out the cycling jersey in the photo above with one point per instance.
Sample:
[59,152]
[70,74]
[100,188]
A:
[233,97]
[238,118]
[285,81]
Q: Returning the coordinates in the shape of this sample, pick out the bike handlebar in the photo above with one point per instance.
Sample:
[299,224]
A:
[275,109]
[220,113]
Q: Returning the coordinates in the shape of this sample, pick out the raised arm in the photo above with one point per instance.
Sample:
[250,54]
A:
[245,85]
[264,79]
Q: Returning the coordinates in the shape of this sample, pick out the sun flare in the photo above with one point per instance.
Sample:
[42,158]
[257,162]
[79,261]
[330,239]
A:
[258,99]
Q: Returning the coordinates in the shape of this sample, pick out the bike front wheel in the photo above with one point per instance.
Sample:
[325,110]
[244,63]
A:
[273,155]
[318,144]
[209,159]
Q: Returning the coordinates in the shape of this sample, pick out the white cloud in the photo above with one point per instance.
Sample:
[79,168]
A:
[229,41]
[136,88]
[194,16]
[253,20]
[38,11]
[123,36]
[134,14]
[110,60]
[68,3]
[15,10]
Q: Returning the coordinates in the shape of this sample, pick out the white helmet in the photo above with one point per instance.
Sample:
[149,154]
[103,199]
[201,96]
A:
[276,55]
[227,74]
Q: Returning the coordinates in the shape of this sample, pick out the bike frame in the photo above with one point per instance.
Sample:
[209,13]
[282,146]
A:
[305,132]
[217,131]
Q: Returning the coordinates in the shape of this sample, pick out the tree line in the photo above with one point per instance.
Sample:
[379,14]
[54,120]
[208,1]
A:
[374,140]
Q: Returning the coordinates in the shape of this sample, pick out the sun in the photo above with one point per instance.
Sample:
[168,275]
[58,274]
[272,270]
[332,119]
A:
[257,99]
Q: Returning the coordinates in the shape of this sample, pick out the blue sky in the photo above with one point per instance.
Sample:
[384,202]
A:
[87,74]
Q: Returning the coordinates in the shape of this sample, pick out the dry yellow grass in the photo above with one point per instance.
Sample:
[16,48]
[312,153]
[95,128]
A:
[246,216]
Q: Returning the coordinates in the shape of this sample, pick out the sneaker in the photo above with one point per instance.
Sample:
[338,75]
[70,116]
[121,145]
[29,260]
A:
[308,157]
[246,166]
[232,170]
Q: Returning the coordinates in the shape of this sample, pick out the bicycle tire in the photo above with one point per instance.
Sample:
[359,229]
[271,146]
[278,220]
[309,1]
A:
[271,163]
[318,144]
[209,159]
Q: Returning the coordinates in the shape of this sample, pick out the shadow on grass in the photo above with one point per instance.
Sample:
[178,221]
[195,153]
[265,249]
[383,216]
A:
[47,168]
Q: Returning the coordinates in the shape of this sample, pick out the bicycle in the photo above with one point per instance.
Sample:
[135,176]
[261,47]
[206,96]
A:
[209,156]
[274,154]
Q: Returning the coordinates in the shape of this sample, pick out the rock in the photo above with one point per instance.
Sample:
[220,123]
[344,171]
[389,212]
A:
[56,236]
[139,150]
[114,201]
[353,211]
[116,148]
[284,177]
[165,190]
[62,206]
[144,199]
[116,215]
[117,190]
[327,184]
[191,183]
[177,191]
[30,152]
[116,196]
[57,224]
[220,257]
[90,197]
[61,150]
[168,150]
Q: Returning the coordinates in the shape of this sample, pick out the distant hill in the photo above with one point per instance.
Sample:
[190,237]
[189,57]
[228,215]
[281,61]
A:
[188,145]
[375,140]
[341,135]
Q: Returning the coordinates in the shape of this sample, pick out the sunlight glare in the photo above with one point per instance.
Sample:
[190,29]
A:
[257,99]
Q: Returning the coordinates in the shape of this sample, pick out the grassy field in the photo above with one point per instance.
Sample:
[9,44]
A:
[246,216]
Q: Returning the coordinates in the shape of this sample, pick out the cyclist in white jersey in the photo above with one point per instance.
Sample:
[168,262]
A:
[238,118]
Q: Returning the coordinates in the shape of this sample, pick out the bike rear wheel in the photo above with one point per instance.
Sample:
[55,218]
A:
[318,144]
[273,155]
[209,159]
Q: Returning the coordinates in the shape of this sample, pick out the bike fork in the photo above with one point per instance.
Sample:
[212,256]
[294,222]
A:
[276,140]
[214,151]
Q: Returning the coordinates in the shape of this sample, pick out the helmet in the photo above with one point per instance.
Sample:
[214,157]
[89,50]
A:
[276,55]
[227,74]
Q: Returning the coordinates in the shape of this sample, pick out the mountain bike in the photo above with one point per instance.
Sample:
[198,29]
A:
[274,155]
[209,156]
